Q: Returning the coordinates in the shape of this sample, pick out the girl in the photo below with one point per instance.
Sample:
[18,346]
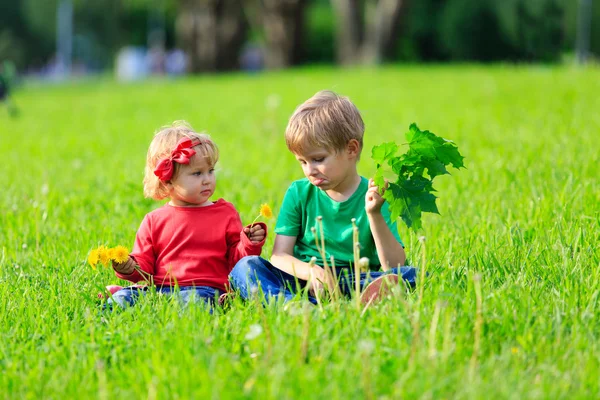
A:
[191,242]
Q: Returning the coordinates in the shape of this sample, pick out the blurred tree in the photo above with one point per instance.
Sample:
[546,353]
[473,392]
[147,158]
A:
[299,31]
[18,41]
[280,24]
[367,30]
[471,30]
[319,37]
[212,32]
[570,23]
[420,35]
[96,28]
[283,24]
[534,29]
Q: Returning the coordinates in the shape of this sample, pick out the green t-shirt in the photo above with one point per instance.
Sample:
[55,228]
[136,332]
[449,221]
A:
[304,202]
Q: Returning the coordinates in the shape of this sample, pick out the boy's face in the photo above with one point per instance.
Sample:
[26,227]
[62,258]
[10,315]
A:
[326,169]
[194,184]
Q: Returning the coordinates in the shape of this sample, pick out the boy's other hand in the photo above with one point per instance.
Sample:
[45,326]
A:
[125,268]
[374,199]
[320,282]
[256,233]
[315,284]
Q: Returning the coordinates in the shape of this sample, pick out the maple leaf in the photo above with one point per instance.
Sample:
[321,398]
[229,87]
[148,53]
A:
[383,152]
[433,147]
[411,194]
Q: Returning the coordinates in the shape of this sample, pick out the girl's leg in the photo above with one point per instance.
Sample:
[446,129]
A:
[254,273]
[194,294]
[125,297]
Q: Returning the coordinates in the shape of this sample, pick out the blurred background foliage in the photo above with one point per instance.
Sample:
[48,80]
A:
[296,32]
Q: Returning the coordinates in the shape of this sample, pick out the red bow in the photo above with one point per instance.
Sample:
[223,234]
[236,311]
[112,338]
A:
[181,155]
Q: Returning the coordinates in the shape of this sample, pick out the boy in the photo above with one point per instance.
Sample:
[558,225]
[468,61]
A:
[326,135]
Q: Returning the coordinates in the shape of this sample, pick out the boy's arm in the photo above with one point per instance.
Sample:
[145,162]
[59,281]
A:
[390,251]
[283,258]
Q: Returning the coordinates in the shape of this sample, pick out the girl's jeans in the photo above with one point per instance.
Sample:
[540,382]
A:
[187,294]
[253,271]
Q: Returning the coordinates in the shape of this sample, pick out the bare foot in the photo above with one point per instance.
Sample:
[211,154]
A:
[379,289]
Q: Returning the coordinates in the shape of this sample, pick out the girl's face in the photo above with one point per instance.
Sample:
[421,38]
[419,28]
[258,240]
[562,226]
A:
[194,184]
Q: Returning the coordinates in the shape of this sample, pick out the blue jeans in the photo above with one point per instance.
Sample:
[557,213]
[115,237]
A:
[253,271]
[127,297]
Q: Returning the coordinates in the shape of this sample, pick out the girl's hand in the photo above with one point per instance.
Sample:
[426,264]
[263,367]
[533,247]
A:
[125,268]
[373,199]
[256,233]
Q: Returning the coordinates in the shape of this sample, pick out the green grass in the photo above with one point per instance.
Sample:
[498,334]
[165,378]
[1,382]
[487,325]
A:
[524,216]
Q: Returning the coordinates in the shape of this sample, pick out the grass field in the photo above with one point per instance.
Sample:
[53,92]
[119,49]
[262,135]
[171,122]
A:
[520,225]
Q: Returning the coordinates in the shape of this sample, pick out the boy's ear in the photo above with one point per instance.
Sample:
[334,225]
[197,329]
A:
[353,148]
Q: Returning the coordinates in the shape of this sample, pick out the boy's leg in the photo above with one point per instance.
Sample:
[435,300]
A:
[378,285]
[407,274]
[380,280]
[253,272]
[379,288]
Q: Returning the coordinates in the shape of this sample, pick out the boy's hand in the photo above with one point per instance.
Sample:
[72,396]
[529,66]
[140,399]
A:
[125,268]
[315,284]
[373,199]
[256,233]
[320,282]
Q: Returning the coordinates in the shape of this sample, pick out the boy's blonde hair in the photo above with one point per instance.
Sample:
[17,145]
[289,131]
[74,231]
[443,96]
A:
[325,120]
[164,142]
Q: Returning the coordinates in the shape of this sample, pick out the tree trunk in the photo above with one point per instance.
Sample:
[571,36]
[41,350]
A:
[283,24]
[212,33]
[369,42]
[349,29]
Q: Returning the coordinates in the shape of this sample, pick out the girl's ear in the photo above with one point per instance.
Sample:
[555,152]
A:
[353,148]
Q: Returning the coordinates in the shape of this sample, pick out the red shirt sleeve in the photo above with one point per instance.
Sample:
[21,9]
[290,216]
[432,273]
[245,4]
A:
[143,252]
[238,244]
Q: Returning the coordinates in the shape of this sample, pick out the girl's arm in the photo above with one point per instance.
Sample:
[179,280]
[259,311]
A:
[239,244]
[142,256]
[125,268]
[128,271]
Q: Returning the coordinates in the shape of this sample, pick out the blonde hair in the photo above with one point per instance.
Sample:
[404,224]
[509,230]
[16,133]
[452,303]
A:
[164,142]
[325,120]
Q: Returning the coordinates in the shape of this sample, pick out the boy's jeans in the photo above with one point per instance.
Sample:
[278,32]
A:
[252,271]
[128,296]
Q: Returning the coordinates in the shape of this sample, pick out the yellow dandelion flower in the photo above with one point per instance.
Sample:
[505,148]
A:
[111,254]
[120,254]
[93,258]
[103,255]
[265,211]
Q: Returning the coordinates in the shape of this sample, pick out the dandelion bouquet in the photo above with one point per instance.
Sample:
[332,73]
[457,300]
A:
[105,256]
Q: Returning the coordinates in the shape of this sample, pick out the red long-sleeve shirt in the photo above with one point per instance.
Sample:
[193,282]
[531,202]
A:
[191,246]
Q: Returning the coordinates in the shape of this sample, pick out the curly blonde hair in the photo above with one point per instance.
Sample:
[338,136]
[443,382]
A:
[164,142]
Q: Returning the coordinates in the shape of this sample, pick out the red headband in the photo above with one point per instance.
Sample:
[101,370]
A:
[181,155]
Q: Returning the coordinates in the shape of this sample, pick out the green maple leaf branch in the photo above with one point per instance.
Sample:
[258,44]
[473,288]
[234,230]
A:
[411,194]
